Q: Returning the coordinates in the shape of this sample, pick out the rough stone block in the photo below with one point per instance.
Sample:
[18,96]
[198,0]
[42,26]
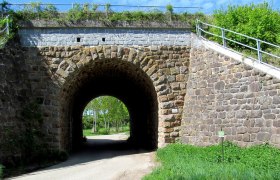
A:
[167,118]
[263,136]
[275,138]
[241,130]
[220,85]
[269,116]
[276,123]
[276,100]
[255,87]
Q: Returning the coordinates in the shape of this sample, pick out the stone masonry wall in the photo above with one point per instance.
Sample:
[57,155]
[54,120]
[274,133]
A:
[224,93]
[103,36]
[14,95]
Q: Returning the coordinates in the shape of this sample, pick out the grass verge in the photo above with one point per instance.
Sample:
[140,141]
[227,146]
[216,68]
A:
[189,162]
[103,131]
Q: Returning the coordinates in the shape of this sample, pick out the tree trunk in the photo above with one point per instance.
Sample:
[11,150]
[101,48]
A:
[117,126]
[94,123]
[93,126]
[109,127]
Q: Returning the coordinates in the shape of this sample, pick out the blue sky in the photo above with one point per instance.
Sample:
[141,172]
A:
[207,5]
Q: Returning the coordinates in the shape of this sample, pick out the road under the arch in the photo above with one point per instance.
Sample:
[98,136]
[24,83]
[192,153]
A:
[104,157]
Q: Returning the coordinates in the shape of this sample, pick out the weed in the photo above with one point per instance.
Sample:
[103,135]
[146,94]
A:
[189,162]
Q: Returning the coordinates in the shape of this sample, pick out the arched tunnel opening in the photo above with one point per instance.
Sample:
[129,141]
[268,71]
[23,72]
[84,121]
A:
[106,115]
[117,78]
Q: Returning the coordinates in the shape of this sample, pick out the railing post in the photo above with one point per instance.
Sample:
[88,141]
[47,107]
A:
[223,37]
[259,50]
[2,12]
[198,28]
[7,25]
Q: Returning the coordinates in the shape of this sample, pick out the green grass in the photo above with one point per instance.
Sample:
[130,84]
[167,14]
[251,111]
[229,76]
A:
[189,162]
[87,132]
[102,131]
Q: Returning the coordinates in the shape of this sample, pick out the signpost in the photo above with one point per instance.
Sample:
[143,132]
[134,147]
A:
[221,135]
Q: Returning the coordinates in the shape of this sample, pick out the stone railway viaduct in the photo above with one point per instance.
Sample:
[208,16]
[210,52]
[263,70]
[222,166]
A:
[175,85]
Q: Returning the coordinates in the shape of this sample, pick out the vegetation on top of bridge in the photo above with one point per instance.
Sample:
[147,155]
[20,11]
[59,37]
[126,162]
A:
[4,30]
[87,11]
[3,38]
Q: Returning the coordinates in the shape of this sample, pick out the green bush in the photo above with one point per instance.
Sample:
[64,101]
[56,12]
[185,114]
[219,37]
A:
[189,162]
[76,13]
[125,128]
[87,122]
[3,38]
[103,131]
[255,20]
[3,23]
[50,12]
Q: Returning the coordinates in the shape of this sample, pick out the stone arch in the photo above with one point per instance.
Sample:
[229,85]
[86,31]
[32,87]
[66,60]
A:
[121,73]
[162,68]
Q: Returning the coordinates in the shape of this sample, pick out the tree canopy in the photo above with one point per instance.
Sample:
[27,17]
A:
[105,111]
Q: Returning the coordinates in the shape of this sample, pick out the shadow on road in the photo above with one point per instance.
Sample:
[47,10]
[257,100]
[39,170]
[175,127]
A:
[99,149]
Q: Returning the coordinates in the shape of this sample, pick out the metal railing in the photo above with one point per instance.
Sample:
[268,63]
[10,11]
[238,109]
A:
[202,32]
[119,7]
[6,29]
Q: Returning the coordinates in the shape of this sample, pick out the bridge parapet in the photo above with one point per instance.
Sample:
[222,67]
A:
[41,33]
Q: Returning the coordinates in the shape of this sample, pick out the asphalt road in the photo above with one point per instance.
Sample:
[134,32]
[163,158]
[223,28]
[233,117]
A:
[103,158]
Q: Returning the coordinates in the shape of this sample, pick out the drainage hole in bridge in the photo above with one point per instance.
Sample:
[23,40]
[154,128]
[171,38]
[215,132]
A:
[103,39]
[78,39]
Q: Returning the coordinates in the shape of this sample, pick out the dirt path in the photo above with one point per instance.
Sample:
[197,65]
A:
[105,157]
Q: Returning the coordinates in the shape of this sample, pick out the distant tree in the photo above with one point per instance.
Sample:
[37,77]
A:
[105,110]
